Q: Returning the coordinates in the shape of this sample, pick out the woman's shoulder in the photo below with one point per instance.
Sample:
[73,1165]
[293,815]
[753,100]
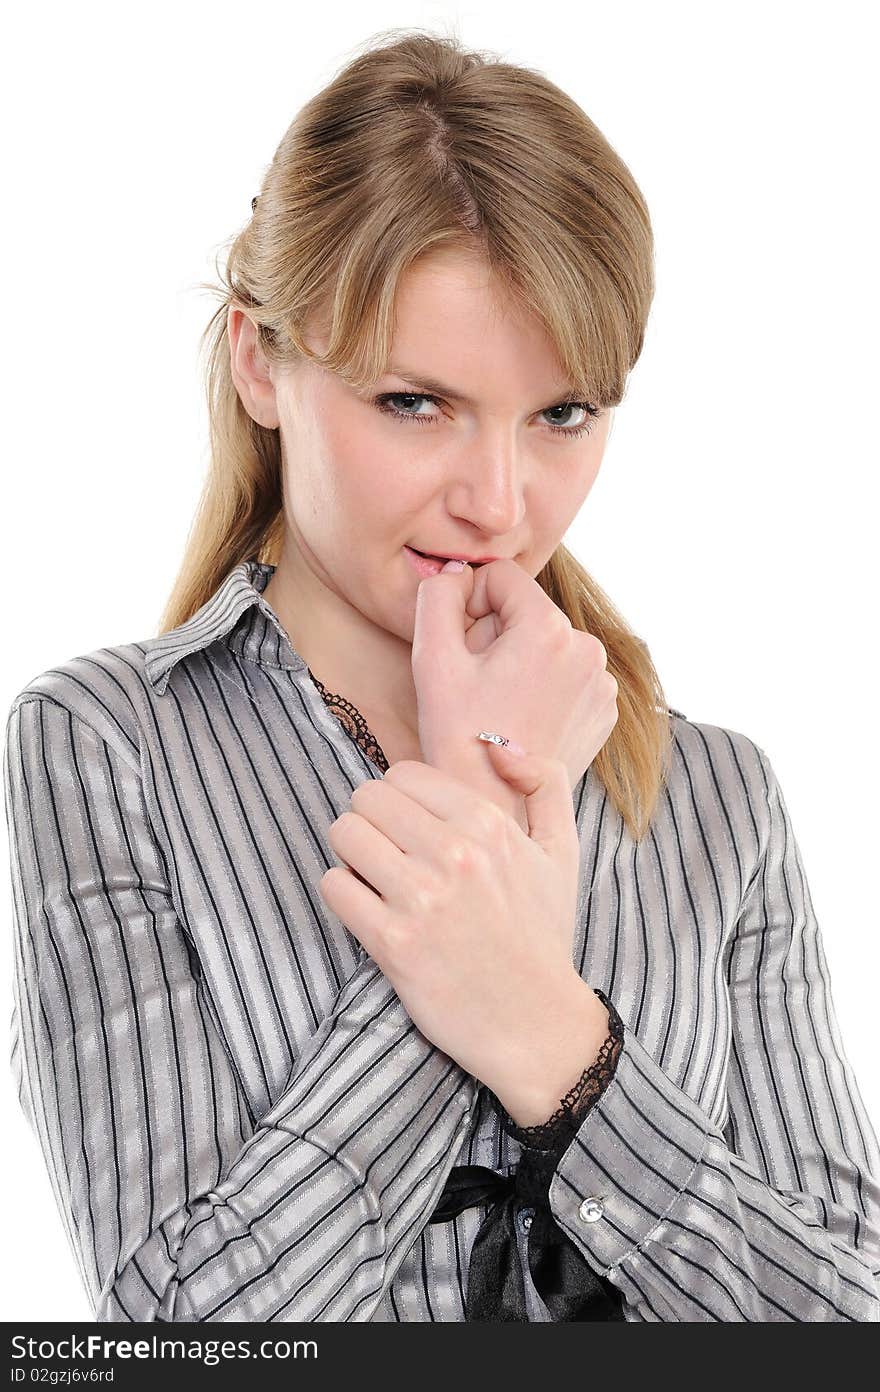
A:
[107,689]
[716,763]
[692,735]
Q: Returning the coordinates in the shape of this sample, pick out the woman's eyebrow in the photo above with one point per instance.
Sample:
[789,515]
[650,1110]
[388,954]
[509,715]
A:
[565,390]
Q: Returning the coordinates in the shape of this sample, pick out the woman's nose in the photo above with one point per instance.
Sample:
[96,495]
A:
[488,488]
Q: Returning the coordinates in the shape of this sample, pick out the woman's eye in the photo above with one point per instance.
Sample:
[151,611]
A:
[581,427]
[386,402]
[383,403]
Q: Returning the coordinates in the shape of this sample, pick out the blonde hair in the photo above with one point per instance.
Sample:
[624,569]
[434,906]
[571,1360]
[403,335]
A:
[415,144]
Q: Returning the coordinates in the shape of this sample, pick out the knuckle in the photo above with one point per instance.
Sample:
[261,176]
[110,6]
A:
[484,827]
[593,650]
[558,631]
[423,898]
[463,854]
[490,824]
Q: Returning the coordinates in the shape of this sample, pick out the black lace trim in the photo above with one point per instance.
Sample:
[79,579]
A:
[353,722]
[556,1134]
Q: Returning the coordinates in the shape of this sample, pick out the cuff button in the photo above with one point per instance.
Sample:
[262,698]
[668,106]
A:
[590,1210]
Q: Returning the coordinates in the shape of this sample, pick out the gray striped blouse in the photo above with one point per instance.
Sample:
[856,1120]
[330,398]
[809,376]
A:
[241,1122]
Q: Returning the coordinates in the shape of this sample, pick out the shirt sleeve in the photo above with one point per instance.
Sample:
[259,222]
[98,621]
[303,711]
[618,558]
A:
[177,1203]
[775,1216]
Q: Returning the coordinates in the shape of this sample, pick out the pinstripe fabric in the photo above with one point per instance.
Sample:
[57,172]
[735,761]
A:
[238,1117]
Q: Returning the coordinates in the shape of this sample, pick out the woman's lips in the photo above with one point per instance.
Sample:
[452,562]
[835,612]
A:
[431,565]
[424,565]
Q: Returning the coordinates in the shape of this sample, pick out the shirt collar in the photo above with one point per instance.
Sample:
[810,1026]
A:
[236,611]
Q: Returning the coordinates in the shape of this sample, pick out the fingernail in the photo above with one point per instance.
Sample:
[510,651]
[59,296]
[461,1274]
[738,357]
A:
[454,565]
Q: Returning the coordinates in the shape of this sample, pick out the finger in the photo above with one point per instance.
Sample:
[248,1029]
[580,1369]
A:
[482,633]
[438,792]
[544,785]
[411,826]
[503,588]
[402,818]
[441,614]
[357,906]
[368,852]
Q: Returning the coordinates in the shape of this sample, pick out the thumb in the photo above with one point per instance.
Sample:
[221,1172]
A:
[441,613]
[545,786]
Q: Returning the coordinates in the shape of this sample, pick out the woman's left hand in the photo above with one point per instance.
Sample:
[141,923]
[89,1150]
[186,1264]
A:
[471,919]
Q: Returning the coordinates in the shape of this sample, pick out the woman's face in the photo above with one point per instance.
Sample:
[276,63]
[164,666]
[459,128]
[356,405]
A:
[474,469]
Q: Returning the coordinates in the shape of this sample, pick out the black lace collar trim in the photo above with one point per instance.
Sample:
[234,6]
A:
[353,722]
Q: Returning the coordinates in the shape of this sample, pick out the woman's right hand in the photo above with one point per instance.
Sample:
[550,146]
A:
[491,651]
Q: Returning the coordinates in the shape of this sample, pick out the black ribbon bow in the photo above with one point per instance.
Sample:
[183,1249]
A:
[566,1282]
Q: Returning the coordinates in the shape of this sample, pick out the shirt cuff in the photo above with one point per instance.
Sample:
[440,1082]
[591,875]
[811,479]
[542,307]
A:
[629,1162]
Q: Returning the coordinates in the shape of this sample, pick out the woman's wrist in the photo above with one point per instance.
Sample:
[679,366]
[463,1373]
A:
[540,1071]
[473,767]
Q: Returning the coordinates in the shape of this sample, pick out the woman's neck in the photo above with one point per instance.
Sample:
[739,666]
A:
[351,656]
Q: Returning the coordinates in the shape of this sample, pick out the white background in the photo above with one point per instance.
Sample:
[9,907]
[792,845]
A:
[734,519]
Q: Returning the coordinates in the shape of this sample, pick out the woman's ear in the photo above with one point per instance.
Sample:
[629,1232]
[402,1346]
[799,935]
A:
[251,370]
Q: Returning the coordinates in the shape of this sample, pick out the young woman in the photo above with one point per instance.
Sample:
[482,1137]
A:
[329,1003]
